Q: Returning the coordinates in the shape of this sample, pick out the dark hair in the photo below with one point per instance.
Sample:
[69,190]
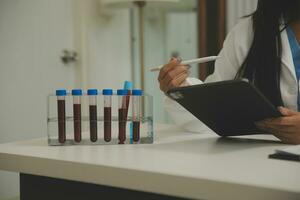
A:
[262,65]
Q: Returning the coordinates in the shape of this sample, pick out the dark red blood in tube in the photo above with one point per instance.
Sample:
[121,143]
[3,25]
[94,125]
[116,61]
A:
[77,122]
[93,123]
[127,98]
[107,124]
[136,131]
[122,125]
[61,121]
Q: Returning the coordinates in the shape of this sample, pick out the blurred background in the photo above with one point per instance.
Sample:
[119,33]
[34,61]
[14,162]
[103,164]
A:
[50,44]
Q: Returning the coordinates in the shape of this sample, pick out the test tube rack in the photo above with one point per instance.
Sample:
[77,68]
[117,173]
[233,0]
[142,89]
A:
[88,134]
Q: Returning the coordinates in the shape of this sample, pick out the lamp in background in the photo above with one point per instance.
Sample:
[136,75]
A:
[140,4]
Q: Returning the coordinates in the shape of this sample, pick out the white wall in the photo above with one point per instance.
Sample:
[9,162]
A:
[184,40]
[32,35]
[104,44]
[166,31]
[155,54]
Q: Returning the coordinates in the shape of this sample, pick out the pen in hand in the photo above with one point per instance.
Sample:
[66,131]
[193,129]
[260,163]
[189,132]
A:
[190,62]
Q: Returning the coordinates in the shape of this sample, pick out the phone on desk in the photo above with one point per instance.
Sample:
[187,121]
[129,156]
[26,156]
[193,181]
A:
[229,108]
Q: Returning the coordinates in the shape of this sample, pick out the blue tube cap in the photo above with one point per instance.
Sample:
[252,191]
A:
[61,92]
[107,92]
[77,92]
[137,92]
[92,92]
[128,85]
[122,92]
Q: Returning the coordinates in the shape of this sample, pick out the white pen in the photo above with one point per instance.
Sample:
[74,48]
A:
[189,62]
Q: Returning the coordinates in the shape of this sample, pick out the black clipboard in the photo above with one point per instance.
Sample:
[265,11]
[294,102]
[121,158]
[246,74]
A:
[229,108]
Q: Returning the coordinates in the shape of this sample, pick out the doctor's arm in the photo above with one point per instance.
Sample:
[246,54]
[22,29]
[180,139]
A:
[286,128]
[234,52]
[175,75]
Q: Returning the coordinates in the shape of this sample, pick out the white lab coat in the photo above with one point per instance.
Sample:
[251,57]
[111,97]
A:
[235,49]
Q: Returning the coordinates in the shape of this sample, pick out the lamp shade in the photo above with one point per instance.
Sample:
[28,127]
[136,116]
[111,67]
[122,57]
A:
[171,5]
[130,3]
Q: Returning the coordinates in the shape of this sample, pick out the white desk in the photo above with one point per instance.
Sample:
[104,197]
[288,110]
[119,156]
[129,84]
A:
[197,166]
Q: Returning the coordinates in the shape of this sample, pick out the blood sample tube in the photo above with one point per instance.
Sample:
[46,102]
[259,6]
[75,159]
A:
[77,93]
[136,113]
[61,115]
[122,118]
[107,94]
[93,114]
[128,87]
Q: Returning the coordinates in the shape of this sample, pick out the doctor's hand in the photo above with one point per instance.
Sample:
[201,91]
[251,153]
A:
[286,128]
[172,75]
